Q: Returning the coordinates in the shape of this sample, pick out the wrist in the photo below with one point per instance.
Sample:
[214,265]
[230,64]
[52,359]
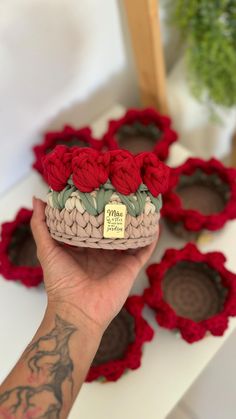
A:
[77,317]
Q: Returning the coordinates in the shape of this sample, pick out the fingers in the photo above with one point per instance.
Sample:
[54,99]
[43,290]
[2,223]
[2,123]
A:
[39,229]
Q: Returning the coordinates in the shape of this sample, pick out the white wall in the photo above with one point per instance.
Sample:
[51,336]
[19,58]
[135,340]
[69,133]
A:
[65,61]
[54,53]
[203,131]
[60,61]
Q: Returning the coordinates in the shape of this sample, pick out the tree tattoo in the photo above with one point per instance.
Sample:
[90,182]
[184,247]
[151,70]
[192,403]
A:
[50,368]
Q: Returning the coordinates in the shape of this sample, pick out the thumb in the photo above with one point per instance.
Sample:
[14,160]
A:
[44,242]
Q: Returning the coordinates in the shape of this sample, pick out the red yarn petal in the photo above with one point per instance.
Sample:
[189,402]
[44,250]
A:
[144,116]
[194,220]
[166,317]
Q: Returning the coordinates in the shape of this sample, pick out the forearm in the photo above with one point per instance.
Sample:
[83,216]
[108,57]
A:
[50,372]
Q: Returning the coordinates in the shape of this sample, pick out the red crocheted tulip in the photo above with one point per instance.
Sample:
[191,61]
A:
[124,172]
[90,169]
[155,174]
[167,317]
[66,136]
[57,167]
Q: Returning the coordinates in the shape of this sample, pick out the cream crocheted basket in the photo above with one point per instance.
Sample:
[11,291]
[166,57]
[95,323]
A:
[78,198]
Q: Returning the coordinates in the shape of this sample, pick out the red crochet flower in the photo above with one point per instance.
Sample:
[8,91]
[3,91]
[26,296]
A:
[193,220]
[90,169]
[190,330]
[155,174]
[146,116]
[112,370]
[124,173]
[28,275]
[57,167]
[67,136]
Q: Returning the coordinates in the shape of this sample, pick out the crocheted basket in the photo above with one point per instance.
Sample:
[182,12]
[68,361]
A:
[201,196]
[141,130]
[88,188]
[68,136]
[121,346]
[18,259]
[192,292]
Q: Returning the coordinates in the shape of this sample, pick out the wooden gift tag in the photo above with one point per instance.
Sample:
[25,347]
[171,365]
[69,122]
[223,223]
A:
[114,221]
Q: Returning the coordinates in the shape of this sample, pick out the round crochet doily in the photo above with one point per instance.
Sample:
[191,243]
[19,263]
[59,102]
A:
[192,290]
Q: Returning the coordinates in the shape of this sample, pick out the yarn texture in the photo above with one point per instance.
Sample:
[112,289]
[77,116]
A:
[113,370]
[83,181]
[148,118]
[194,220]
[190,330]
[30,276]
[69,136]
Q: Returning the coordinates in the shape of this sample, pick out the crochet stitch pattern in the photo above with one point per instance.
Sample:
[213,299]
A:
[214,175]
[83,181]
[29,275]
[138,123]
[113,369]
[69,136]
[210,308]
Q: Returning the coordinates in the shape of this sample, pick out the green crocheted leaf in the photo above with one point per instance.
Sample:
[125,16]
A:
[59,198]
[156,201]
[88,202]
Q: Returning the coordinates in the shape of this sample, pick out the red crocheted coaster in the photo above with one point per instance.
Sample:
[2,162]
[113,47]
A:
[133,333]
[141,130]
[192,292]
[18,260]
[69,136]
[201,195]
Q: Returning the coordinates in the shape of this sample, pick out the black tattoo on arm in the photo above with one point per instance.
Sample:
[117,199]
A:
[50,367]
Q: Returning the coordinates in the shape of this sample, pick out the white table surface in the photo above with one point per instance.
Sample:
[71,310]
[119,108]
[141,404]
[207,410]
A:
[169,365]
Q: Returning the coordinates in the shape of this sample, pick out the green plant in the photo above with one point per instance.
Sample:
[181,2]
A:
[209,30]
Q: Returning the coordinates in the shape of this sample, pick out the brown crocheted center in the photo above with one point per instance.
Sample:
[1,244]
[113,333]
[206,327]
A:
[119,334]
[137,137]
[22,249]
[207,194]
[193,290]
[74,141]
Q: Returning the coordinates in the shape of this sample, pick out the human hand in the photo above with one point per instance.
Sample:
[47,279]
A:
[94,283]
